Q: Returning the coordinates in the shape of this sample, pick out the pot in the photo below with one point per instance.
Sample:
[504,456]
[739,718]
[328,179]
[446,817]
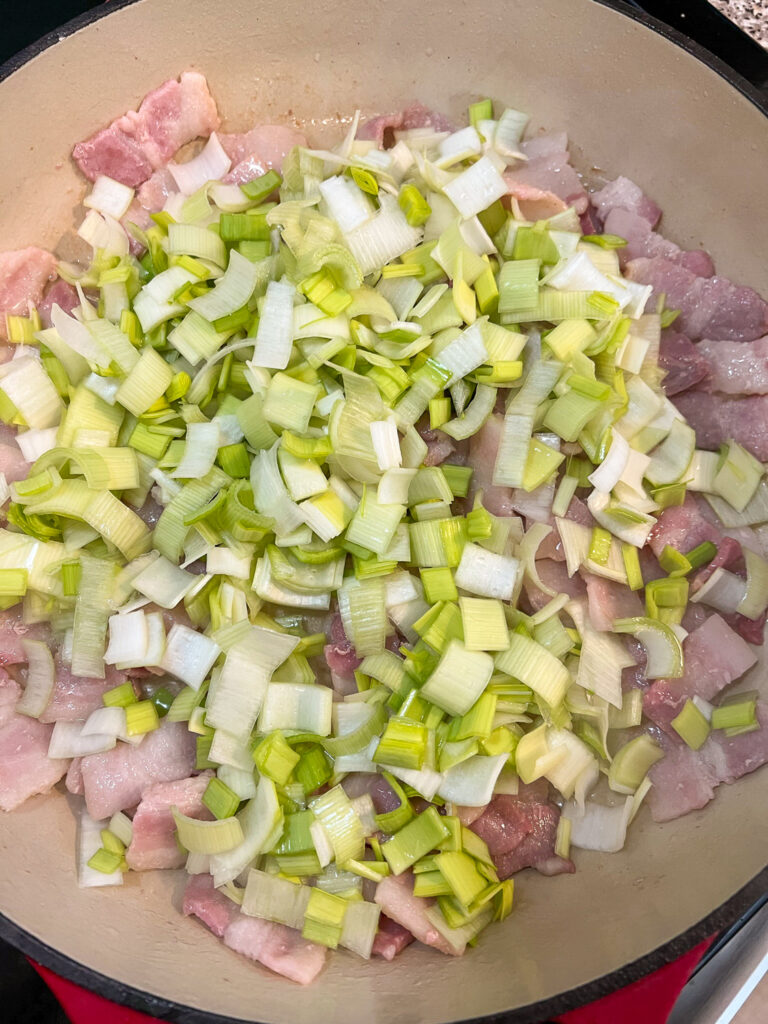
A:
[636,100]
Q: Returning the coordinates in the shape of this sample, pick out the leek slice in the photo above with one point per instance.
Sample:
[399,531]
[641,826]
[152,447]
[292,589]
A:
[598,827]
[337,816]
[231,291]
[535,667]
[100,509]
[31,391]
[40,678]
[244,678]
[631,763]
[724,591]
[755,600]
[208,837]
[275,899]
[603,657]
[662,646]
[738,476]
[261,823]
[113,469]
[672,458]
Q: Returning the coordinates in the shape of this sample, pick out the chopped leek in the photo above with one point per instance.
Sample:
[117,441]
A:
[261,423]
[691,725]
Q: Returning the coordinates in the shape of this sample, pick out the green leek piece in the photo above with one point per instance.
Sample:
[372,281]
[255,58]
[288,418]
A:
[631,763]
[666,599]
[163,700]
[736,715]
[632,568]
[119,696]
[487,292]
[297,835]
[438,585]
[403,744]
[413,204]
[691,726]
[569,414]
[519,286]
[701,554]
[481,110]
[105,861]
[141,717]
[70,578]
[149,442]
[324,918]
[111,842]
[359,738]
[234,460]
[178,387]
[364,180]
[313,770]
[275,758]
[392,821]
[458,479]
[669,496]
[171,529]
[484,624]
[440,625]
[430,884]
[336,814]
[673,562]
[439,412]
[662,645]
[241,227]
[202,753]
[414,841]
[459,678]
[259,189]
[321,290]
[479,523]
[461,874]
[533,243]
[477,722]
[599,545]
[208,837]
[220,800]
[569,338]
[13,582]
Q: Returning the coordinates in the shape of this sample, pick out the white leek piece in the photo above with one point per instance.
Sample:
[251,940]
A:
[40,678]
[662,647]
[189,655]
[598,827]
[487,574]
[241,687]
[210,164]
[471,782]
[274,337]
[109,196]
[476,188]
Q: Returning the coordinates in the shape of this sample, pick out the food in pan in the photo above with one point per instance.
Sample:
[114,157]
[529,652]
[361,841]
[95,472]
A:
[380,521]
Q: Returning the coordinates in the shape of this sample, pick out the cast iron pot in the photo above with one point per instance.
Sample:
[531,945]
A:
[636,99]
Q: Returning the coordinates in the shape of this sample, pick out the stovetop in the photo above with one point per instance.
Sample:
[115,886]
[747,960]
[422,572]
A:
[23,996]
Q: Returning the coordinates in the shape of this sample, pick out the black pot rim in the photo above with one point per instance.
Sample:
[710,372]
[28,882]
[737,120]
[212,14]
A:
[722,917]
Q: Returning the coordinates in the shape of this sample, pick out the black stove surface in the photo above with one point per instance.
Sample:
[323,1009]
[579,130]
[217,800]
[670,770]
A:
[24,998]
